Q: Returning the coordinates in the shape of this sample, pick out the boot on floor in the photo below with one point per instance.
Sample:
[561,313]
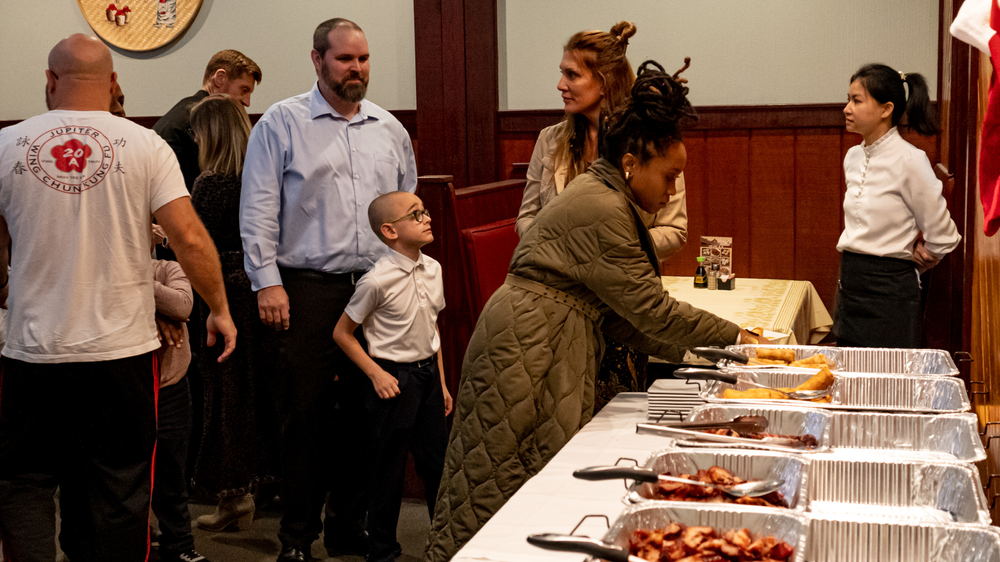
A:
[232,514]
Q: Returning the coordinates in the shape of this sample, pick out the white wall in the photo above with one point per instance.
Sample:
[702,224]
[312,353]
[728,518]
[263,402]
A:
[276,35]
[743,52]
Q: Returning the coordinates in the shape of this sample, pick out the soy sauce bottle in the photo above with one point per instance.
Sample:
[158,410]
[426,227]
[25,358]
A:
[700,277]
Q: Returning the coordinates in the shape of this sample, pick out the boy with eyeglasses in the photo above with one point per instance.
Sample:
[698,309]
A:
[397,304]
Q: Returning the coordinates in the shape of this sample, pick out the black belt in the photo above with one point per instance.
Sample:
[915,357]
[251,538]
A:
[348,277]
[423,362]
[412,364]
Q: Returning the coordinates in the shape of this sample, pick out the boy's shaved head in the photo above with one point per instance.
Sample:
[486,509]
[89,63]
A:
[387,207]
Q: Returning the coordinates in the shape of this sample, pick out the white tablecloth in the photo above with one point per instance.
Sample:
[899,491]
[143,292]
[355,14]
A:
[779,305]
[554,501]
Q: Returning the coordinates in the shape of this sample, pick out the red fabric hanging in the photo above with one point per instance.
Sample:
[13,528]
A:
[989,155]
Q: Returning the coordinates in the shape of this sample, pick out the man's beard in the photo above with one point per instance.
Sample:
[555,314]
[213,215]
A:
[351,93]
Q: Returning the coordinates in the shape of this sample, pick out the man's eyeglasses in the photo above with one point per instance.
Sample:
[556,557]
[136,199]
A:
[419,215]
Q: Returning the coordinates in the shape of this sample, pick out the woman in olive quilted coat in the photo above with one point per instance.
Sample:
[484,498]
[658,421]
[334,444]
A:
[585,265]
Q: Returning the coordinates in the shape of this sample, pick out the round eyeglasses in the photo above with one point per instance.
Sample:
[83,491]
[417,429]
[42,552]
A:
[417,215]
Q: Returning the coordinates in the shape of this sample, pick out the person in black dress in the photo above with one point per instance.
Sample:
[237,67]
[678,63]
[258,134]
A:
[239,445]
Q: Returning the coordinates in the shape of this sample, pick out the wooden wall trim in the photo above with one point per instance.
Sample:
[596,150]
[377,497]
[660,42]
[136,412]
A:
[710,117]
[408,117]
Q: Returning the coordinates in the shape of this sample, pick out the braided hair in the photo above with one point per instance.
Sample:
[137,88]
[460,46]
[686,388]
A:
[652,120]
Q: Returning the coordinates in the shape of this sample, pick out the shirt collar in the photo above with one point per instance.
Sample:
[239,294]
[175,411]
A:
[403,262]
[318,106]
[879,145]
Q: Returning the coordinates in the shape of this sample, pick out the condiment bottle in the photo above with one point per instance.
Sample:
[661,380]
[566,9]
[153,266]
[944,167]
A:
[700,277]
[713,277]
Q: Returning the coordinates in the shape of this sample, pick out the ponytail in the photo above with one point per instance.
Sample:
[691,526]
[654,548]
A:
[887,85]
[919,112]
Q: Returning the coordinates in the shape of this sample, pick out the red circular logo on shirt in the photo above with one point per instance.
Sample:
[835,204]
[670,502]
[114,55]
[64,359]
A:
[71,159]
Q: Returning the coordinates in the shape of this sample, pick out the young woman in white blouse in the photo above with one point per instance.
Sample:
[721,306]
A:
[896,222]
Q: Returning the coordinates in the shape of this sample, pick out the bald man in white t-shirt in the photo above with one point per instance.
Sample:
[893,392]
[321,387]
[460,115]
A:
[78,189]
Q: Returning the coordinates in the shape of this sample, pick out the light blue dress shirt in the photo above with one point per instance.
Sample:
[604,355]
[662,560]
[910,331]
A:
[308,179]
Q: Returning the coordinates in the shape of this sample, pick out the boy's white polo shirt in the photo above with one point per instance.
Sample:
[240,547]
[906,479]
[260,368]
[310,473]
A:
[397,304]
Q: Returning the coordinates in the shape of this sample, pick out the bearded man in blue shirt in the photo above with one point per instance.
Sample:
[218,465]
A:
[314,163]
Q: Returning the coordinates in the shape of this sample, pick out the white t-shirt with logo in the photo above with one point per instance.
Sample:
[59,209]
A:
[78,189]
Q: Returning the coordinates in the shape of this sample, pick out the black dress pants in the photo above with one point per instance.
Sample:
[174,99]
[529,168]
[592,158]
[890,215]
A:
[88,429]
[170,494]
[412,421]
[324,421]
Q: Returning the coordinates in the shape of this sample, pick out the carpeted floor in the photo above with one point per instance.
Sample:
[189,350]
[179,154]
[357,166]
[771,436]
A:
[260,543]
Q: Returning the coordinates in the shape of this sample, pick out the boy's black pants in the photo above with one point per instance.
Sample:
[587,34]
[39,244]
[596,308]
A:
[412,421]
[88,429]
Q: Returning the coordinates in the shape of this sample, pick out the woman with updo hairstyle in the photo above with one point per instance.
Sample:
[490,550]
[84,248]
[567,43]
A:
[596,78]
[896,222]
[239,444]
[586,265]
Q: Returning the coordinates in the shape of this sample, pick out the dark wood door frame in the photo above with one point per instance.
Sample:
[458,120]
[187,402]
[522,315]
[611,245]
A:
[457,88]
[958,82]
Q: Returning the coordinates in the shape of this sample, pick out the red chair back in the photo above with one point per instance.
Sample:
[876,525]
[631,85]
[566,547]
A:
[488,250]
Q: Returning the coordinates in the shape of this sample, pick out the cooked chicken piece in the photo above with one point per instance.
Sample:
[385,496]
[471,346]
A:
[719,475]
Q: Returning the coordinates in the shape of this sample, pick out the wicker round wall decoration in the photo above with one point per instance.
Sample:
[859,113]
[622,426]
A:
[139,25]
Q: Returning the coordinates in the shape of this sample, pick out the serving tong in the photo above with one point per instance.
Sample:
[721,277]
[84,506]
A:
[710,374]
[753,489]
[781,444]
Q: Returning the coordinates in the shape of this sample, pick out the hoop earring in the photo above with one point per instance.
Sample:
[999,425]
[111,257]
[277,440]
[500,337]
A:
[628,176]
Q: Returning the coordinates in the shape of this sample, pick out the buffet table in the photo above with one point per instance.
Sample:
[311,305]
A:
[779,305]
[554,501]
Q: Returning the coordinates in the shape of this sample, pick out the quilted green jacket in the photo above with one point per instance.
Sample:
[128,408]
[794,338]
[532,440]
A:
[528,377]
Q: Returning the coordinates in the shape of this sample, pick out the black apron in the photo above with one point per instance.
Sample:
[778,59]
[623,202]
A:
[878,302]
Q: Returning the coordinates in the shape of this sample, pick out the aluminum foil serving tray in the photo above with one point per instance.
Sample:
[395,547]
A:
[935,437]
[840,484]
[843,484]
[948,437]
[871,360]
[786,525]
[782,420]
[748,465]
[853,539]
[857,391]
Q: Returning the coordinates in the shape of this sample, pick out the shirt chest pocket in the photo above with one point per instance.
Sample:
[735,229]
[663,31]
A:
[387,173]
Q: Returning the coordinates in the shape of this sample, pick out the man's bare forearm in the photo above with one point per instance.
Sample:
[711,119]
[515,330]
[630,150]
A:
[195,251]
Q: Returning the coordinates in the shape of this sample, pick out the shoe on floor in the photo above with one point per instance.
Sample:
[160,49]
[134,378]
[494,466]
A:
[186,556]
[292,554]
[396,553]
[232,514]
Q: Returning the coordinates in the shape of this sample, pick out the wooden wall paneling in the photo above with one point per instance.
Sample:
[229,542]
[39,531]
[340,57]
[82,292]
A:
[438,196]
[818,200]
[515,148]
[953,332]
[439,45]
[482,90]
[721,190]
[696,196]
[772,202]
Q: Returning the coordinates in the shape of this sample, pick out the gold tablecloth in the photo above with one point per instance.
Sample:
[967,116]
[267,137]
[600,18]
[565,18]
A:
[779,305]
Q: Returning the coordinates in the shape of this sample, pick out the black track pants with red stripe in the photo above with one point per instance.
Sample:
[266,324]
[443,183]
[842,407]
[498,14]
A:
[88,429]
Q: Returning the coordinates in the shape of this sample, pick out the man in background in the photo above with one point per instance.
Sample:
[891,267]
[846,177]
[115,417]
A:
[228,72]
